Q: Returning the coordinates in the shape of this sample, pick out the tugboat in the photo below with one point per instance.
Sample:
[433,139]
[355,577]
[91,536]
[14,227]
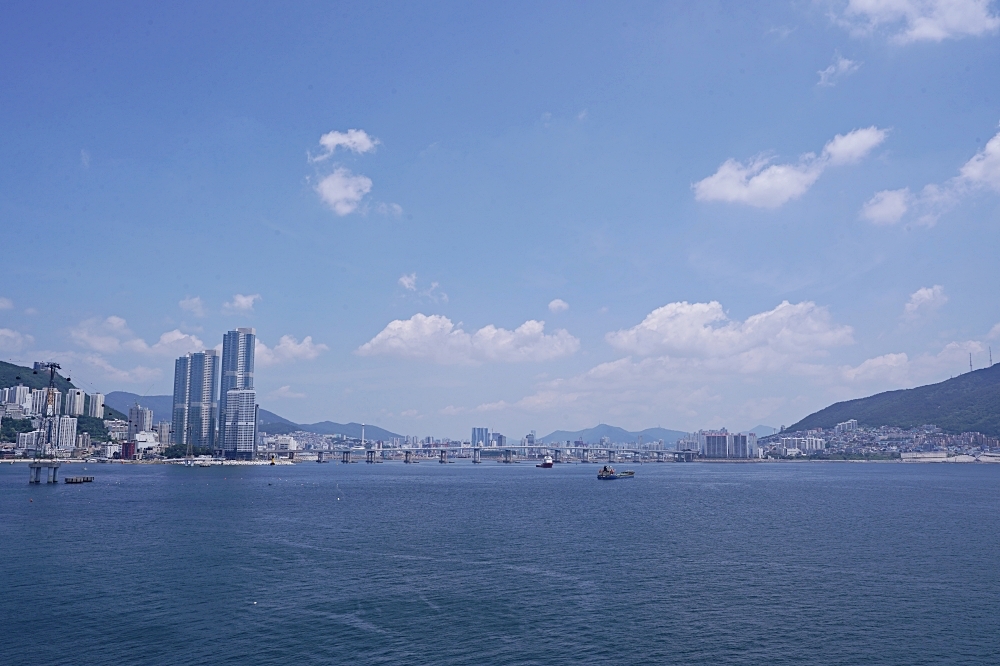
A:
[546,462]
[608,473]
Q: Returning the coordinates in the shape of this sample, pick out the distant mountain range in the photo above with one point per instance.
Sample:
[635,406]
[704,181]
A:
[967,403]
[615,434]
[271,423]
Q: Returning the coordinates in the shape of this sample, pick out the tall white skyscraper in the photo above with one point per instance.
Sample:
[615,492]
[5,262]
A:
[140,419]
[237,382]
[196,408]
[67,432]
[95,407]
[17,395]
[241,423]
[73,405]
[480,437]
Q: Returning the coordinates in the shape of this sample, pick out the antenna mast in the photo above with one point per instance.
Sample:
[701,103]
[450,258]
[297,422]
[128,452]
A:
[970,361]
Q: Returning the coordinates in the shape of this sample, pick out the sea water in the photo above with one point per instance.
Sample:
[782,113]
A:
[815,563]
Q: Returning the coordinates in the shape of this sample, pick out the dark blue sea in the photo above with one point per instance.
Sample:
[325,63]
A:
[502,564]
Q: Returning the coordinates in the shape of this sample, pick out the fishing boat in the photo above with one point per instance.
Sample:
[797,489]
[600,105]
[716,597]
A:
[608,473]
[546,462]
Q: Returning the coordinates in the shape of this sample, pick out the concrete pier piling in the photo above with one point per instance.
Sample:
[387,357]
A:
[35,471]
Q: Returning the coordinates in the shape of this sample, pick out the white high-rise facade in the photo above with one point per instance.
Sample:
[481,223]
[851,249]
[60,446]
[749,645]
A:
[140,419]
[67,432]
[196,408]
[95,407]
[73,405]
[237,386]
[39,402]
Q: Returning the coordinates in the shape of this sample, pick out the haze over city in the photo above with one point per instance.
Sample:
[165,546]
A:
[682,216]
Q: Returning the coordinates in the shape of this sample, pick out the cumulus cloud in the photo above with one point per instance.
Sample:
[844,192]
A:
[558,305]
[112,335]
[287,350]
[924,300]
[907,21]
[342,191]
[6,303]
[887,206]
[981,172]
[437,339]
[194,305]
[354,140]
[14,341]
[837,70]
[408,282]
[762,184]
[887,367]
[241,303]
[286,392]
[703,331]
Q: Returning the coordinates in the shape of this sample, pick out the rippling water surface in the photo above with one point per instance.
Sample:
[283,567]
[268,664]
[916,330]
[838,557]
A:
[502,564]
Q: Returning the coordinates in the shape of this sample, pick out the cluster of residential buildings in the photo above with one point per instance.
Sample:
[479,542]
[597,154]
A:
[214,409]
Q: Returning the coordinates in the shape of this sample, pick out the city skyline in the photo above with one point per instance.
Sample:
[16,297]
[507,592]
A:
[688,216]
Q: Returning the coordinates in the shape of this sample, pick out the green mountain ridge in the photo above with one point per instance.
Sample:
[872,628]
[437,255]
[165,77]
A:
[967,403]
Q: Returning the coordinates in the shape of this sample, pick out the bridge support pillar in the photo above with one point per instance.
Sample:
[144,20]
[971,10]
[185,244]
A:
[585,455]
[345,457]
[444,457]
[408,457]
[556,455]
[508,456]
[35,472]
[477,455]
[611,455]
[370,456]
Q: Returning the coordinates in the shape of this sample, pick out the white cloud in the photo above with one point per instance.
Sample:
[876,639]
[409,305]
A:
[171,343]
[431,294]
[840,68]
[393,209]
[14,341]
[6,303]
[887,206]
[764,185]
[921,20]
[451,410]
[409,413]
[241,303]
[984,168]
[286,392]
[558,305]
[982,171]
[436,338]
[194,305]
[112,335]
[888,367]
[354,140]
[288,349]
[408,282]
[854,146]
[924,300]
[342,191]
[789,332]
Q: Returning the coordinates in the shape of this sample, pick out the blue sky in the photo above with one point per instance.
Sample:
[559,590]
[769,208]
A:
[527,216]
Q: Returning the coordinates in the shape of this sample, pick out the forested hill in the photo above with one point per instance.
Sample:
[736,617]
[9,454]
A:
[967,403]
[9,374]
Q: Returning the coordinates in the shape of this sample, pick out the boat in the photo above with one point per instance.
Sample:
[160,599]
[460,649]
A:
[608,473]
[546,462]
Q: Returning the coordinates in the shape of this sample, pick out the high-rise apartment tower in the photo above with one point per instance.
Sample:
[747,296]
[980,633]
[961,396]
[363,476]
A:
[237,398]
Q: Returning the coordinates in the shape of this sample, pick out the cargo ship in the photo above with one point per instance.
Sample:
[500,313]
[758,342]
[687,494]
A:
[608,473]
[546,462]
